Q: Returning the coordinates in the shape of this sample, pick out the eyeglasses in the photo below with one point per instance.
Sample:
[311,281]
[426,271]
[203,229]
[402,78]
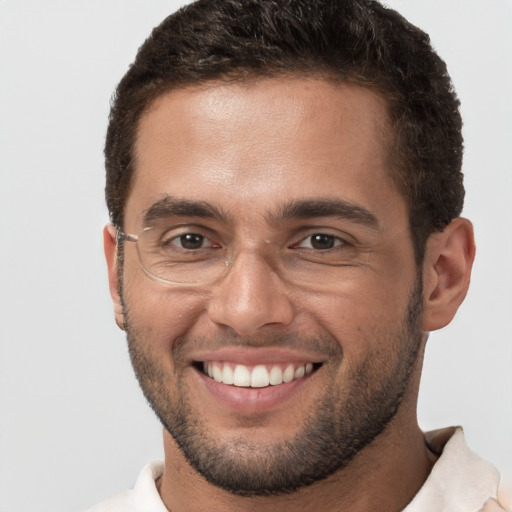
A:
[190,255]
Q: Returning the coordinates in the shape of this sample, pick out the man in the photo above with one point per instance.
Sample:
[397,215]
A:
[284,185]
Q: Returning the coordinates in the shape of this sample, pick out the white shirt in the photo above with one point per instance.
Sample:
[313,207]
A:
[460,481]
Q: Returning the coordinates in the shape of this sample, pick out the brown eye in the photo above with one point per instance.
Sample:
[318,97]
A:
[322,241]
[190,241]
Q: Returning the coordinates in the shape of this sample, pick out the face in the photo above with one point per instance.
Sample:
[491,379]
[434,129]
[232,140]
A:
[302,348]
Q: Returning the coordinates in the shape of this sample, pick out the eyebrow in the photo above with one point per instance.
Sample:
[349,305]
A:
[175,207]
[300,209]
[306,208]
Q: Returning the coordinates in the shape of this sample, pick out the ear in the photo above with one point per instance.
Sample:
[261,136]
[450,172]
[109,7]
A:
[446,272]
[110,247]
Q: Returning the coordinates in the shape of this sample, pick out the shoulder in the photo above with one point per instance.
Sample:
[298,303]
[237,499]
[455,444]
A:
[144,496]
[119,502]
[459,480]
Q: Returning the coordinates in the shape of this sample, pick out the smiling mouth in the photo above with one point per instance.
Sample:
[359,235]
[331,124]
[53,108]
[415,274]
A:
[257,376]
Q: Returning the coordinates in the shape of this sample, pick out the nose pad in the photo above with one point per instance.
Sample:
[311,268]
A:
[250,296]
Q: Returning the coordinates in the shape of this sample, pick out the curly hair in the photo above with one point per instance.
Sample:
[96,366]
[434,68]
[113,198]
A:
[356,41]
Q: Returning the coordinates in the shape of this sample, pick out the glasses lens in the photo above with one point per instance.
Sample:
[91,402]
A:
[183,256]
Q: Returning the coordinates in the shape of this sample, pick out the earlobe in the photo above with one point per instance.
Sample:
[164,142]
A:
[446,272]
[110,248]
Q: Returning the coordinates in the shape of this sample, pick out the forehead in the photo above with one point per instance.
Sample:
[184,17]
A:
[260,143]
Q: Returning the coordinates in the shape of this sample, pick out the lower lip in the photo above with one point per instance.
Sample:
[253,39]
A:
[252,399]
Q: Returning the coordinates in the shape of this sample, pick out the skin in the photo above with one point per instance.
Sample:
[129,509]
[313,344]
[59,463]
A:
[263,144]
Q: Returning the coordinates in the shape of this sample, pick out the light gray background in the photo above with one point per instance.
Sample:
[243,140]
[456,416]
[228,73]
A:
[74,427]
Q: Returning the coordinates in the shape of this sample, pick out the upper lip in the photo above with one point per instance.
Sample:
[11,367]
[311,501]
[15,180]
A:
[250,356]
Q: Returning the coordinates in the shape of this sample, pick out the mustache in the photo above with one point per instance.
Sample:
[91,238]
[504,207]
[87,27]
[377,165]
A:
[322,345]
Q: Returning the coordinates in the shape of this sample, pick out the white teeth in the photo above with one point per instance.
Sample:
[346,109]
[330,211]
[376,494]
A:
[241,376]
[276,376]
[258,377]
[288,374]
[299,372]
[227,374]
[217,373]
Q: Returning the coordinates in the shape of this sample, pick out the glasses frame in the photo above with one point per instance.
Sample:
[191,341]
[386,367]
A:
[121,236]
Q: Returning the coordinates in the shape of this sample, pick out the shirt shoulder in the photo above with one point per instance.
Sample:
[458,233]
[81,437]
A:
[144,496]
[460,481]
[119,502]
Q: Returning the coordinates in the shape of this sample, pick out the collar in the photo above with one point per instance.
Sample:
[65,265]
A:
[145,492]
[460,480]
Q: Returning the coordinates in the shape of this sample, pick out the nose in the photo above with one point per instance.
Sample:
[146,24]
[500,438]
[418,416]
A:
[250,297]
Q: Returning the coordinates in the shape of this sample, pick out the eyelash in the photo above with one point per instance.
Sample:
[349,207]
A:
[170,241]
[336,241]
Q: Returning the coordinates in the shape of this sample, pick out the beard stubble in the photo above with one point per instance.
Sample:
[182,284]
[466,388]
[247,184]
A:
[343,422]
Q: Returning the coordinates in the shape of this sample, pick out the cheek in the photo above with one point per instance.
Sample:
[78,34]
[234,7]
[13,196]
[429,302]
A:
[361,316]
[161,313]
